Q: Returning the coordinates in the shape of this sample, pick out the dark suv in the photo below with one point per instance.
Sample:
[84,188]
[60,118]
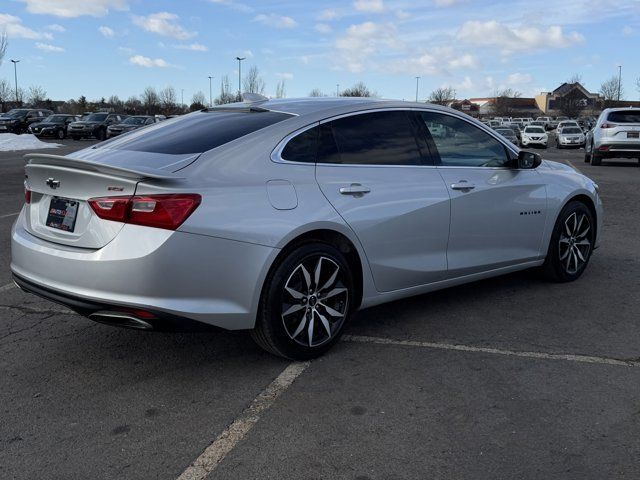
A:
[53,126]
[130,124]
[94,125]
[18,120]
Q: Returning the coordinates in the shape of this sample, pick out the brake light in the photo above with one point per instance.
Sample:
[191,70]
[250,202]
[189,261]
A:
[608,125]
[604,148]
[159,211]
[27,194]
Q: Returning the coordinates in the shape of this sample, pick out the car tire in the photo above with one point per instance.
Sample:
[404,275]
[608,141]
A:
[596,158]
[101,135]
[571,243]
[293,320]
[60,134]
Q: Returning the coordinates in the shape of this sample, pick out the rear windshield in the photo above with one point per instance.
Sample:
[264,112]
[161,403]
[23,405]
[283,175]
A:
[571,130]
[199,132]
[96,117]
[625,116]
[505,131]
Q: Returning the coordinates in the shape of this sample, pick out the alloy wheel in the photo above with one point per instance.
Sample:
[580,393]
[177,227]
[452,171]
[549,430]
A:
[575,242]
[315,301]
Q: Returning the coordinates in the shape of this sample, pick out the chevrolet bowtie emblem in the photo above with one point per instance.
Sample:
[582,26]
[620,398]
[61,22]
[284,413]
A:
[53,183]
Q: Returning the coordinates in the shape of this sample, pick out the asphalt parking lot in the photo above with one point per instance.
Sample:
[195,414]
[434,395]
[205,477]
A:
[508,378]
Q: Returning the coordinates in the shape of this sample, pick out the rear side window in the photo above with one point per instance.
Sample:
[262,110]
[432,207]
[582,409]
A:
[378,138]
[625,116]
[197,133]
[302,147]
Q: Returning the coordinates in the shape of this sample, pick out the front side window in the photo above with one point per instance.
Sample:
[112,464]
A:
[461,144]
[377,138]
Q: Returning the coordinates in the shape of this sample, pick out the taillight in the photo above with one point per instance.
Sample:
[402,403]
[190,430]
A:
[159,211]
[27,194]
[608,125]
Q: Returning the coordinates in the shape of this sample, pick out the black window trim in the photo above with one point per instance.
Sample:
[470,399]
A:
[276,154]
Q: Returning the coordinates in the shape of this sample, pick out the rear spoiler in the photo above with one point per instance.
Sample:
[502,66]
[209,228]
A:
[137,173]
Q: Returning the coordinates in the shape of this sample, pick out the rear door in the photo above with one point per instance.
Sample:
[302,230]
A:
[498,213]
[375,171]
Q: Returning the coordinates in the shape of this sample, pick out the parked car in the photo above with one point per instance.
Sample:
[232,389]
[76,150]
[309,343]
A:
[18,120]
[615,134]
[287,217]
[546,121]
[569,136]
[516,127]
[53,126]
[130,124]
[567,123]
[508,133]
[94,125]
[534,135]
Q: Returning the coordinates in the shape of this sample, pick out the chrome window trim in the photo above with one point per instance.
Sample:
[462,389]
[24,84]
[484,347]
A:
[276,154]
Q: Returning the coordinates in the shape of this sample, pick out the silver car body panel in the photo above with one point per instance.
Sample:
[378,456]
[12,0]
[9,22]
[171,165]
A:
[254,204]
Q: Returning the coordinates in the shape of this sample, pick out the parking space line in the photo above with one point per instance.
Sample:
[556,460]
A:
[4,288]
[234,433]
[495,351]
[9,215]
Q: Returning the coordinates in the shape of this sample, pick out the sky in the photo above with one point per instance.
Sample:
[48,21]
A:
[99,48]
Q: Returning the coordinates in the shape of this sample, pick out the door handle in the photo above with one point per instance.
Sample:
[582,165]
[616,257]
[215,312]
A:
[462,185]
[354,189]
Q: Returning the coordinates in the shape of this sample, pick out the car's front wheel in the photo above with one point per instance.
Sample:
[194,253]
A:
[571,243]
[61,134]
[305,303]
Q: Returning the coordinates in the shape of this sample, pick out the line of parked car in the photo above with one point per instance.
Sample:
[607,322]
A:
[44,123]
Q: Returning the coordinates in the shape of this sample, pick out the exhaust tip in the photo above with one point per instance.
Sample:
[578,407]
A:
[120,319]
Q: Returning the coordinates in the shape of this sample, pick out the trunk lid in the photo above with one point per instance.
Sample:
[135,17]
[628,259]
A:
[61,184]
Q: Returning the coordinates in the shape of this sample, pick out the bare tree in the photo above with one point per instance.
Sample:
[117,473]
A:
[6,92]
[611,90]
[168,100]
[638,84]
[150,101]
[442,96]
[280,89]
[36,95]
[115,103]
[504,104]
[133,105]
[572,103]
[253,82]
[198,101]
[226,95]
[316,92]
[358,90]
[4,43]
[575,78]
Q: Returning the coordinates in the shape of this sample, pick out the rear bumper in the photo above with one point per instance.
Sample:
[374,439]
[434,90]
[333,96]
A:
[620,150]
[172,274]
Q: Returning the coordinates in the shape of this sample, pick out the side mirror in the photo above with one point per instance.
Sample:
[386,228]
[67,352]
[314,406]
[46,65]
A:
[528,160]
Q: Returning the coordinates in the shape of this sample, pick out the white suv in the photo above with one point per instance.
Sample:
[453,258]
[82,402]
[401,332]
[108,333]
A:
[616,134]
[534,135]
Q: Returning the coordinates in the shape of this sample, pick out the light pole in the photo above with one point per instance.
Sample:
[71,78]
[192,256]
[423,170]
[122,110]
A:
[210,95]
[240,73]
[417,86]
[337,89]
[15,74]
[619,80]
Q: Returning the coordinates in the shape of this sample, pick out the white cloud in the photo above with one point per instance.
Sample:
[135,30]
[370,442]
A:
[402,15]
[163,23]
[627,30]
[75,8]
[241,7]
[463,61]
[285,75]
[56,28]
[446,3]
[369,6]
[48,48]
[364,40]
[493,33]
[246,54]
[277,21]
[195,47]
[147,62]
[323,27]
[328,14]
[519,79]
[15,29]
[106,31]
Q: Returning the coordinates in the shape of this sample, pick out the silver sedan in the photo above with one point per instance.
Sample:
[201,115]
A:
[286,216]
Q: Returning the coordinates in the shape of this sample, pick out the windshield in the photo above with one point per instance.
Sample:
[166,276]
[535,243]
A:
[96,117]
[571,130]
[16,113]
[55,119]
[134,121]
[197,133]
[534,130]
[504,131]
[625,116]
